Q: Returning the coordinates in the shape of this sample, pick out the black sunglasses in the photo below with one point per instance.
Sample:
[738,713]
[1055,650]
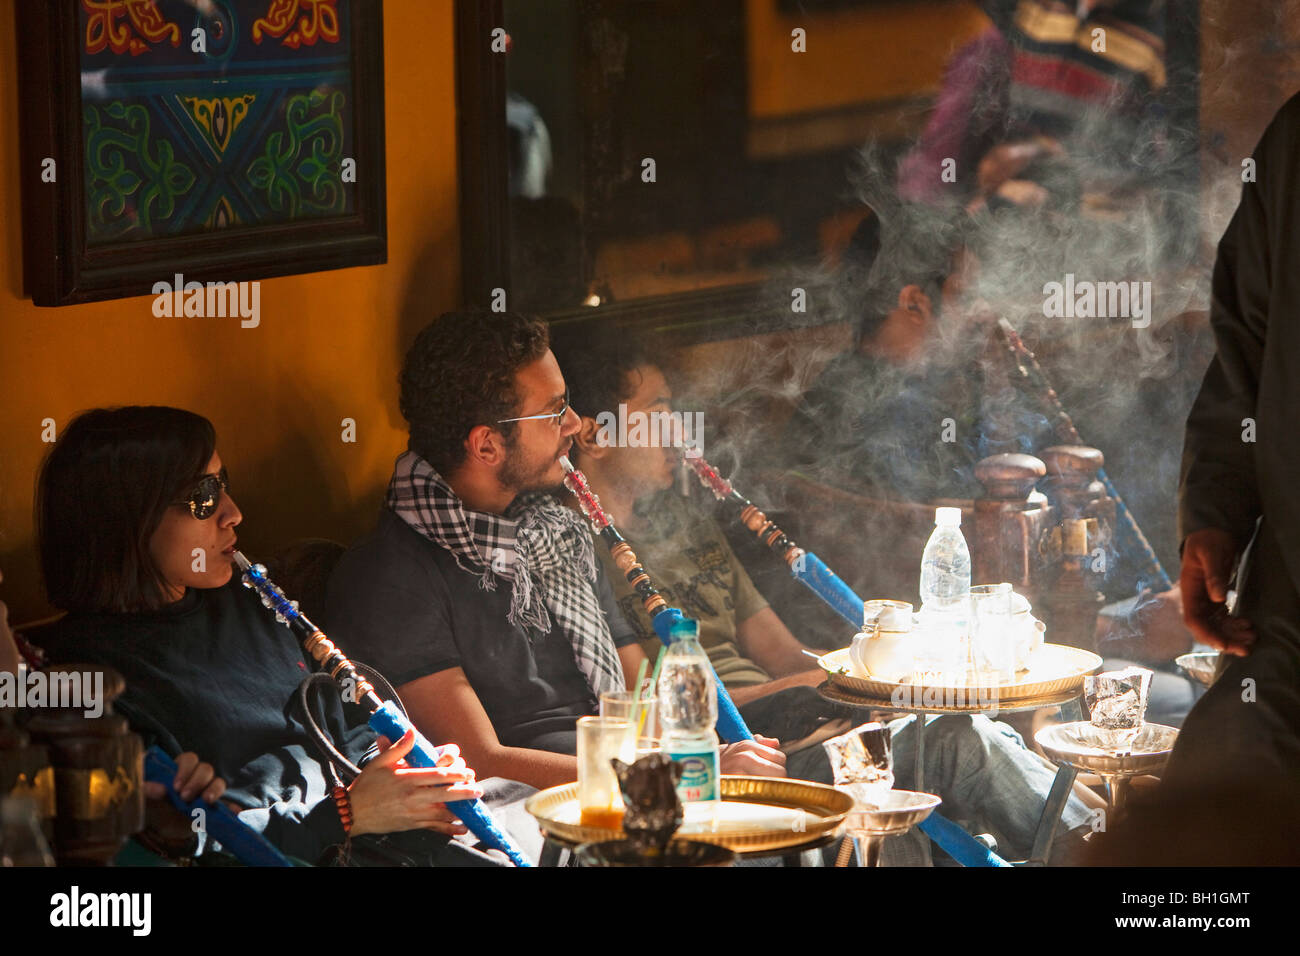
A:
[205,495]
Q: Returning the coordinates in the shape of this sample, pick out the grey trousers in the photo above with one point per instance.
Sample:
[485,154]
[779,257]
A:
[988,780]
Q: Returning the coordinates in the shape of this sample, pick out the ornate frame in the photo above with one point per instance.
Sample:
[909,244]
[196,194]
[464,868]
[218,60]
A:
[61,267]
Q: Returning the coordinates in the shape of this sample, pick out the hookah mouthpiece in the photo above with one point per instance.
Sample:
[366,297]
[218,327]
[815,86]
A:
[576,482]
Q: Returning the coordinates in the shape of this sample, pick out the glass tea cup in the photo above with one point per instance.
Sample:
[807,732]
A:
[600,740]
[642,711]
[993,634]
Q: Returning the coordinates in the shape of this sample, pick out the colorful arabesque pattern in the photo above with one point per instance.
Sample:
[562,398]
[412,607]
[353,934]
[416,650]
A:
[280,22]
[113,24]
[252,130]
[124,163]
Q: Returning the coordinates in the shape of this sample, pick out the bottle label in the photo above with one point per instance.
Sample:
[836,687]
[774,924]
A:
[699,775]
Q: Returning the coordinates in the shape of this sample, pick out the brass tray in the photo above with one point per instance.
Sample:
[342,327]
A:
[1056,670]
[921,706]
[824,809]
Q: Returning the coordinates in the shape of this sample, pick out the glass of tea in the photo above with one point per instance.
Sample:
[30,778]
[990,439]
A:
[600,740]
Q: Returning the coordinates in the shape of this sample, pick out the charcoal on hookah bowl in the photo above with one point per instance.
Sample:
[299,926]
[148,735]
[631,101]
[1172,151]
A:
[652,809]
[652,814]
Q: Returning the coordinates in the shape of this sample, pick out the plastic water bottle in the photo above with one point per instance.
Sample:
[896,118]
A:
[945,603]
[945,565]
[688,711]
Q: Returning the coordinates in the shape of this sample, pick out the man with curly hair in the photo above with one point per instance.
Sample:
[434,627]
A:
[478,593]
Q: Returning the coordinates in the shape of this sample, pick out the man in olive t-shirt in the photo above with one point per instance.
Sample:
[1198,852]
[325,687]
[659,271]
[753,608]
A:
[696,571]
[980,767]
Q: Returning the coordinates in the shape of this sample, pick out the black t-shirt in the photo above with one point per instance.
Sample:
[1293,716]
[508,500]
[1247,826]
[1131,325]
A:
[216,674]
[399,602]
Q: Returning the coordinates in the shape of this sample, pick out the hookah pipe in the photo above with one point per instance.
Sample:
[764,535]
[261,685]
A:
[827,585]
[385,716]
[806,567]
[236,837]
[730,724]
[1036,383]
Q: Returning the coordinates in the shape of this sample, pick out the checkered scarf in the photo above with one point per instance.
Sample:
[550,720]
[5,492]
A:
[542,547]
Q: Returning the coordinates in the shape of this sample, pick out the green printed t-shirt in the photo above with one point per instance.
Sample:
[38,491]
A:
[694,568]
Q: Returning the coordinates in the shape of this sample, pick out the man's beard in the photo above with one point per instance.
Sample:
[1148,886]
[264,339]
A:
[520,477]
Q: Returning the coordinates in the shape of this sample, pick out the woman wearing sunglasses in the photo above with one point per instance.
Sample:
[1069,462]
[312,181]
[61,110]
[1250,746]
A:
[136,529]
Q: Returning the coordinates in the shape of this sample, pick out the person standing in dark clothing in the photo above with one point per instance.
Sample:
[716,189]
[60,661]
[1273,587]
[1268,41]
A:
[1240,462]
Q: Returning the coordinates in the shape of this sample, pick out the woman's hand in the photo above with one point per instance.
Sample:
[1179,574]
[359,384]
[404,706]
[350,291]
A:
[755,758]
[389,796]
[170,831]
[193,777]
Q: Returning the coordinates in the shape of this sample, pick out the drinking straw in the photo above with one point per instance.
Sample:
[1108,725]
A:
[659,662]
[640,676]
[636,698]
[654,682]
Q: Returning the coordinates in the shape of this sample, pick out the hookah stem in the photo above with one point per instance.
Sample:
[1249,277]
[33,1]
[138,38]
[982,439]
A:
[954,841]
[756,521]
[1036,380]
[385,716]
[806,567]
[731,724]
[322,650]
[622,553]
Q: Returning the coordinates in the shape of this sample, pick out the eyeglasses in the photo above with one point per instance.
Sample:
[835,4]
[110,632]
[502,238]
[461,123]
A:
[558,416]
[205,495]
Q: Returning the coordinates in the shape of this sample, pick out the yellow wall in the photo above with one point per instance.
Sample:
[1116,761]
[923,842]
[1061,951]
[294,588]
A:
[328,347]
[853,55]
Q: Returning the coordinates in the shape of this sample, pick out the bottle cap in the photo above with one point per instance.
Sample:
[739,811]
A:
[947,517]
[686,627]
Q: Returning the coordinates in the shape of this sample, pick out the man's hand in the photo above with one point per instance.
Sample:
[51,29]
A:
[1207,564]
[1154,633]
[754,758]
[1160,624]
[1006,160]
[389,796]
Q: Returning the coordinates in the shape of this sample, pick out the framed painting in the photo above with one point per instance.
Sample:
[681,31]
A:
[218,140]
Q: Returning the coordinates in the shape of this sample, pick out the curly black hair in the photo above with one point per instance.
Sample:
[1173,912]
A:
[460,373]
[596,368]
